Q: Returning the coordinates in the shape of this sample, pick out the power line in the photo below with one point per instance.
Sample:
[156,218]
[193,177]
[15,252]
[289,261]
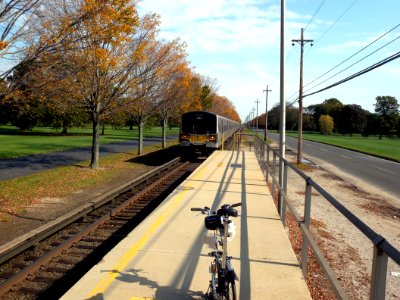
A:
[333,24]
[354,63]
[312,18]
[347,59]
[337,20]
[290,54]
[362,49]
[294,101]
[362,72]
[330,27]
[293,95]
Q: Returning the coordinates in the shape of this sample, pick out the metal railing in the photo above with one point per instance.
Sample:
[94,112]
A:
[382,249]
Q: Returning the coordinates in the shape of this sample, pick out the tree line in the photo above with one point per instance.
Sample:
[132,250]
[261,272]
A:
[332,116]
[76,62]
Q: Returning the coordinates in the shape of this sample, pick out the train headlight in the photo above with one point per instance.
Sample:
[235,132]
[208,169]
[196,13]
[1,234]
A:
[184,137]
[212,138]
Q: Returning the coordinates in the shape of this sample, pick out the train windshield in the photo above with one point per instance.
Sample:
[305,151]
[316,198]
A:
[199,123]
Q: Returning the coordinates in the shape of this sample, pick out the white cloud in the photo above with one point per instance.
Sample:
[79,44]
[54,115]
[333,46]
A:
[237,42]
[216,26]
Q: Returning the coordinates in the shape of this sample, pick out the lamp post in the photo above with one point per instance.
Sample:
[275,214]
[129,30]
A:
[282,123]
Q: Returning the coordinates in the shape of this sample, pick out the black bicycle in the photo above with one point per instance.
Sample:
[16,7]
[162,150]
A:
[223,276]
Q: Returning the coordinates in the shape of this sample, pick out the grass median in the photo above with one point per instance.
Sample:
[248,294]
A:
[46,139]
[385,148]
[19,193]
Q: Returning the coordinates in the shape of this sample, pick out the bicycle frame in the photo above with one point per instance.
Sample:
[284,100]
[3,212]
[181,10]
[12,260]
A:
[222,273]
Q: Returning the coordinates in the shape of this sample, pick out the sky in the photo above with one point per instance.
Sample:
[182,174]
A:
[237,43]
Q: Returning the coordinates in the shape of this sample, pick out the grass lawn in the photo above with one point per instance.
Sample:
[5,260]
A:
[386,148]
[13,143]
[60,182]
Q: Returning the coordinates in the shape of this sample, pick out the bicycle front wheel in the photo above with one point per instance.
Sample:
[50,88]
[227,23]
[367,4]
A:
[232,291]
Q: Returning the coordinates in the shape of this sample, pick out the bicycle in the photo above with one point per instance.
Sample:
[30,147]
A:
[223,276]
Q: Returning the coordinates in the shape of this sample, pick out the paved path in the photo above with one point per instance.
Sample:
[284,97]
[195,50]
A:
[27,165]
[165,256]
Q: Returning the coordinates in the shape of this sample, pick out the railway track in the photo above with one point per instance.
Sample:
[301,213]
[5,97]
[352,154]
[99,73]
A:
[47,265]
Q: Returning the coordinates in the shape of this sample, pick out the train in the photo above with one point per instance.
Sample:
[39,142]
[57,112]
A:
[203,132]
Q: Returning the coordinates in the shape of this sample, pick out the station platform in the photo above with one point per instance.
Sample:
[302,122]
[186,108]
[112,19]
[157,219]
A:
[165,257]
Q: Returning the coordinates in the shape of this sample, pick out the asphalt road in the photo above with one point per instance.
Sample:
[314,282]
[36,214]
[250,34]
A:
[381,173]
[27,165]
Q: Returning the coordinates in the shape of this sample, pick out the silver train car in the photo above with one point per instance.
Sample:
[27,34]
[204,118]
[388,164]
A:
[204,132]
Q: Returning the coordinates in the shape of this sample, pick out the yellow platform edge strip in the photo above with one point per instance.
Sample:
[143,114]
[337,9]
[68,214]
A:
[131,253]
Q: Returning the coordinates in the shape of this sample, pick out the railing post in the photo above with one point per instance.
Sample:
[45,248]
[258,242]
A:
[263,156]
[268,161]
[378,274]
[307,218]
[273,175]
[284,188]
[256,148]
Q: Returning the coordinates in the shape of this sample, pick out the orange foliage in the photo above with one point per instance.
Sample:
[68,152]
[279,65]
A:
[112,20]
[224,107]
[3,45]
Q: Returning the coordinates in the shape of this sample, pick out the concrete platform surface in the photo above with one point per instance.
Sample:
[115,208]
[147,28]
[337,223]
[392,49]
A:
[165,257]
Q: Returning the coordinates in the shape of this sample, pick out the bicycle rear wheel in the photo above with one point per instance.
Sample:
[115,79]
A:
[232,291]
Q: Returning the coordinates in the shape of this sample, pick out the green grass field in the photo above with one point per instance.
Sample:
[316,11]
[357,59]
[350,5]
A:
[386,148]
[13,143]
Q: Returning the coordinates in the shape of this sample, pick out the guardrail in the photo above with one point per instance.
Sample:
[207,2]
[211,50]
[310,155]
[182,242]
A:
[382,249]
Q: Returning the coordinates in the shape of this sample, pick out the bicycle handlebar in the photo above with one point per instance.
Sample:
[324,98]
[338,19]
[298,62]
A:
[196,209]
[207,208]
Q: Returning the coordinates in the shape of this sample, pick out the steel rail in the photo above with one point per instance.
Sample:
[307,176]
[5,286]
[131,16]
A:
[28,273]
[19,245]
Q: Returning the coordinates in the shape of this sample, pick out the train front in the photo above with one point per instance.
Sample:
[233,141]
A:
[199,132]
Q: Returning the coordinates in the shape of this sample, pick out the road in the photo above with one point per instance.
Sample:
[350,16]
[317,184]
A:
[383,174]
[27,165]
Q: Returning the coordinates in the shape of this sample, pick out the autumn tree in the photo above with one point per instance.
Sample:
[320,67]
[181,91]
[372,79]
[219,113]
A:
[224,107]
[193,102]
[15,15]
[326,124]
[331,106]
[208,92]
[201,93]
[308,122]
[174,79]
[90,60]
[145,90]
[103,60]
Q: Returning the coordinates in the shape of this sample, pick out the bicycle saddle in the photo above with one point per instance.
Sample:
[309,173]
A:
[227,210]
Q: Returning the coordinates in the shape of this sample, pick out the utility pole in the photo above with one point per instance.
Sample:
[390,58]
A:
[257,116]
[249,123]
[253,119]
[302,42]
[266,113]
